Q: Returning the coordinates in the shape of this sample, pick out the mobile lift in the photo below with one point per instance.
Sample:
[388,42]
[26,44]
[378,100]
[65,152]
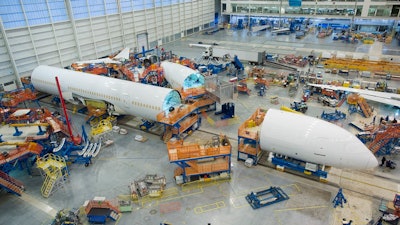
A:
[266,197]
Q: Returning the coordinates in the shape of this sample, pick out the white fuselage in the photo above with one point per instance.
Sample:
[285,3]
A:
[313,140]
[180,76]
[127,97]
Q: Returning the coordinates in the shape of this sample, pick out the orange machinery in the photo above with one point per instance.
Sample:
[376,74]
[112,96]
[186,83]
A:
[248,136]
[14,98]
[179,120]
[153,75]
[383,136]
[204,160]
[21,150]
[242,87]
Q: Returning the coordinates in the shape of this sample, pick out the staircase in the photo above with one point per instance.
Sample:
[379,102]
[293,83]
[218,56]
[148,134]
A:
[383,137]
[11,184]
[376,145]
[55,172]
[366,109]
[50,182]
[167,134]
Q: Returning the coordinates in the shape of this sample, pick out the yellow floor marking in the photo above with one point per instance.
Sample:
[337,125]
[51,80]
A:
[183,196]
[39,204]
[209,207]
[370,184]
[301,208]
[296,188]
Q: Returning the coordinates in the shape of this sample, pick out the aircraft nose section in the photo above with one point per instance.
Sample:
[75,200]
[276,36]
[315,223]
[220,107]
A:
[372,162]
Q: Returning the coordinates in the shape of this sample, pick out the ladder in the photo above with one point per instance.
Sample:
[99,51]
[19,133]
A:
[49,183]
[55,172]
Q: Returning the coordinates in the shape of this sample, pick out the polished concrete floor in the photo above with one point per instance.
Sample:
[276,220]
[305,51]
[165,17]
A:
[218,202]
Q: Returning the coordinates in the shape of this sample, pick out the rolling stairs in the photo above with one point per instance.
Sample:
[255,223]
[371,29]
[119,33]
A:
[388,137]
[365,108]
[10,184]
[55,173]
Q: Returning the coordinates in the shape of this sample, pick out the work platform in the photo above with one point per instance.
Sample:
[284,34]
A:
[249,137]
[210,160]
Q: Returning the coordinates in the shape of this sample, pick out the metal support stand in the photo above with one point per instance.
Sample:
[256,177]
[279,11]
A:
[17,132]
[339,199]
[41,131]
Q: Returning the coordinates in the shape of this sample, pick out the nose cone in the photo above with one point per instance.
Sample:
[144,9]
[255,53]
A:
[372,162]
[358,156]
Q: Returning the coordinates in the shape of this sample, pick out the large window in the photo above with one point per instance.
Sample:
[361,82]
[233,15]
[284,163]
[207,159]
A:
[79,9]
[375,10]
[14,14]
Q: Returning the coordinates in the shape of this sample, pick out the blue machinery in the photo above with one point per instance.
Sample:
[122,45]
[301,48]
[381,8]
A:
[227,111]
[266,197]
[299,166]
[339,199]
[337,115]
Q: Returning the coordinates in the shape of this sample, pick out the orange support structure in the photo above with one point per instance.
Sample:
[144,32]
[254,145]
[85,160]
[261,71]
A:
[200,159]
[382,137]
[13,99]
[248,136]
[127,73]
[10,183]
[329,93]
[366,109]
[20,151]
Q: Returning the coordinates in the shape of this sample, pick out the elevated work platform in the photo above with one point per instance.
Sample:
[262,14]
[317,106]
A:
[248,136]
[386,138]
[207,159]
[365,108]
[179,121]
[55,173]
[359,103]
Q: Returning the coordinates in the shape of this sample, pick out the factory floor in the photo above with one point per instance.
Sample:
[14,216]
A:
[222,201]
